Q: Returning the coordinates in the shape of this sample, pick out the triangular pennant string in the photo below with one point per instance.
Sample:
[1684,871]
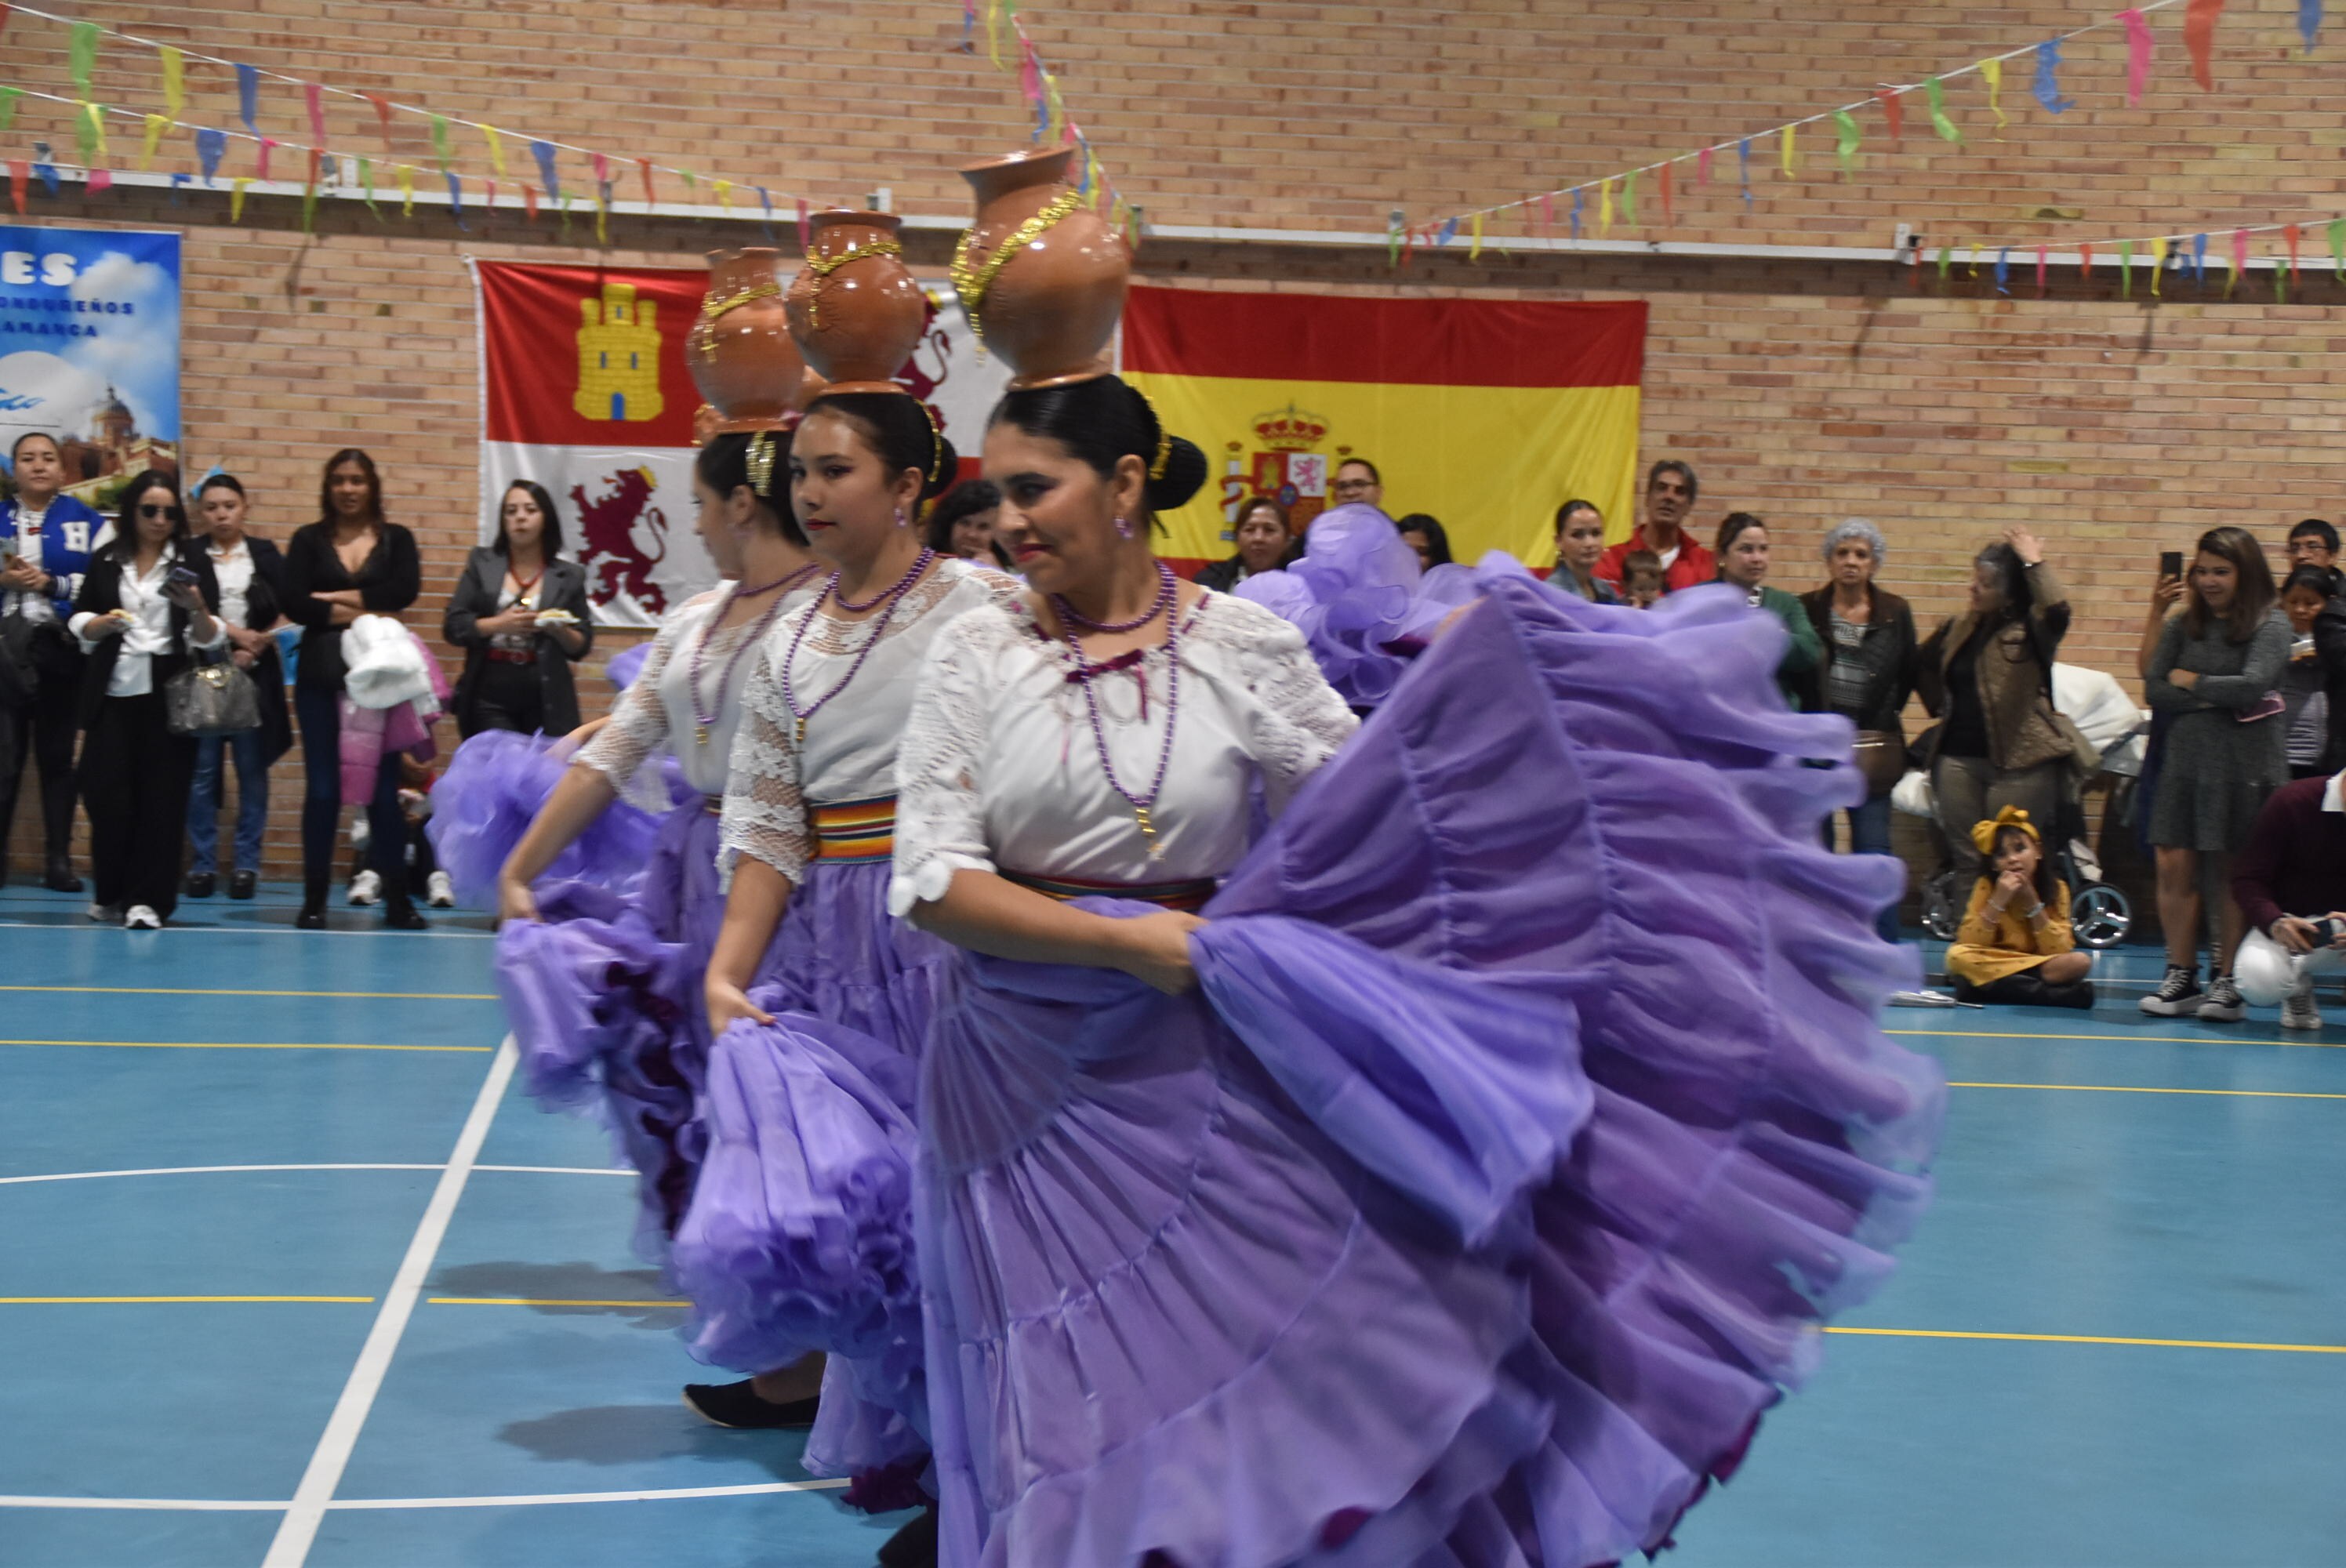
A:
[248,96]
[529,203]
[2157,263]
[46,173]
[456,196]
[644,168]
[1937,95]
[2126,268]
[496,151]
[2138,47]
[406,190]
[2338,248]
[178,180]
[2047,85]
[1579,200]
[1845,146]
[211,145]
[1992,72]
[544,152]
[724,190]
[2199,260]
[1629,199]
[2308,21]
[1669,213]
[235,197]
[382,116]
[1892,110]
[89,132]
[2240,259]
[1743,167]
[1474,240]
[2041,274]
[1604,208]
[8,96]
[366,184]
[156,126]
[1788,155]
[175,81]
[2200,39]
[2085,261]
[313,98]
[1702,168]
[1946,260]
[440,141]
[2290,235]
[2003,271]
[81,55]
[266,146]
[99,182]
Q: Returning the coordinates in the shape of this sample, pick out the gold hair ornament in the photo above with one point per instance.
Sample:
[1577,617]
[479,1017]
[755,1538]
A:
[760,458]
[716,305]
[936,444]
[823,267]
[971,278]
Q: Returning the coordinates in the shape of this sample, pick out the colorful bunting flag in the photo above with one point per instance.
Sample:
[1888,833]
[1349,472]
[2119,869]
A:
[2085,261]
[1604,208]
[2240,259]
[406,190]
[89,133]
[1474,240]
[248,96]
[1702,168]
[2200,39]
[211,145]
[18,172]
[496,151]
[1992,72]
[156,126]
[724,190]
[312,98]
[1743,167]
[266,146]
[544,152]
[382,117]
[644,168]
[48,174]
[1891,111]
[529,203]
[1937,93]
[2138,47]
[99,182]
[2047,85]
[2199,260]
[2040,271]
[456,196]
[8,96]
[175,81]
[366,184]
[1845,147]
[2338,247]
[1946,260]
[1670,212]
[2291,234]
[1629,199]
[235,197]
[2126,268]
[440,141]
[1579,200]
[1788,156]
[2159,249]
[178,178]
[81,54]
[2004,270]
[2308,21]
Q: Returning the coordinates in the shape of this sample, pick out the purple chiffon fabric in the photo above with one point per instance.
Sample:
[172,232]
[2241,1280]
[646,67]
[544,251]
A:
[627,664]
[799,1236]
[1356,594]
[494,789]
[603,994]
[1530,1118]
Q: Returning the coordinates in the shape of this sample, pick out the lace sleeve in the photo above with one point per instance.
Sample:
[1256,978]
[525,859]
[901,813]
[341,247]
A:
[1297,720]
[940,794]
[638,726]
[765,813]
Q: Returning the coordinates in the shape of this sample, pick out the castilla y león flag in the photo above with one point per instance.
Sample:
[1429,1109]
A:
[585,390]
[1484,413]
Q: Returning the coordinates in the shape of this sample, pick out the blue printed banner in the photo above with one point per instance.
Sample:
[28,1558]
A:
[89,350]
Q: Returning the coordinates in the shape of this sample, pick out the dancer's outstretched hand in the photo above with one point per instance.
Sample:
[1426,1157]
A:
[728,1004]
[1157,949]
[515,901]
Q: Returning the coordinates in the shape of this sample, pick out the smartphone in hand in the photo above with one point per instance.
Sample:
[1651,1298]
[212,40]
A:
[2171,563]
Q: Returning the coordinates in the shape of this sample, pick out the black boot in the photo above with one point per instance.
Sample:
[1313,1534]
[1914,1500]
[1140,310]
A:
[313,907]
[2077,993]
[61,879]
[399,910]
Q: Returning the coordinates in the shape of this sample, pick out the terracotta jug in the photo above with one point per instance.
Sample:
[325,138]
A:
[1044,297]
[740,348]
[854,310]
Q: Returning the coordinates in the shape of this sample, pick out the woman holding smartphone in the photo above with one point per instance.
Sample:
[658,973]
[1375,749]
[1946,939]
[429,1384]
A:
[149,604]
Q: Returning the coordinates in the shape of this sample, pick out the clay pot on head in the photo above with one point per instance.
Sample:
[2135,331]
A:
[856,312]
[740,348]
[1050,304]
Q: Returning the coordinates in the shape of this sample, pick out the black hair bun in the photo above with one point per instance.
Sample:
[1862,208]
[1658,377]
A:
[1185,474]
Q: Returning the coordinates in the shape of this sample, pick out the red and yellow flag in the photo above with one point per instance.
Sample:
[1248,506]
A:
[1487,415]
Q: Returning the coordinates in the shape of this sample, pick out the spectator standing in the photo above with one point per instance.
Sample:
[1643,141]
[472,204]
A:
[521,615]
[1579,547]
[1670,491]
[351,562]
[250,573]
[2304,684]
[2295,861]
[1865,673]
[46,540]
[1423,532]
[961,523]
[2015,944]
[1987,675]
[1743,564]
[1264,541]
[149,602]
[2215,672]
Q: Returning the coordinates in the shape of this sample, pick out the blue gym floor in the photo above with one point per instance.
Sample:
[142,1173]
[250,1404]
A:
[293,1276]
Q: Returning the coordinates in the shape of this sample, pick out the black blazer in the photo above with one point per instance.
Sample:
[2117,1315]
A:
[264,607]
[387,582]
[564,588]
[1893,683]
[101,591]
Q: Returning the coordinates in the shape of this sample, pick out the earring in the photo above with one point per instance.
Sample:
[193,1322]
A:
[901,520]
[1124,528]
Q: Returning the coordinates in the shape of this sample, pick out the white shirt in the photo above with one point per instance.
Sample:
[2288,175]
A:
[1000,764]
[34,607]
[234,570]
[149,632]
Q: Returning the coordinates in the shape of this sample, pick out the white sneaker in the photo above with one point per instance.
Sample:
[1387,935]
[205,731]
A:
[439,892]
[2297,1009]
[138,917]
[366,888]
[106,914]
[2224,1003]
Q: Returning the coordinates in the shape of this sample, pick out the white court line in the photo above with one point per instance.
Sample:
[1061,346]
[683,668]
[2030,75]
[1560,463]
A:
[364,1504]
[253,931]
[211,1170]
[307,1511]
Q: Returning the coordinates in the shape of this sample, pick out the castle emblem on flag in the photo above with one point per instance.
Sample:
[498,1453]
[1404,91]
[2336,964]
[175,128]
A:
[1288,470]
[618,357]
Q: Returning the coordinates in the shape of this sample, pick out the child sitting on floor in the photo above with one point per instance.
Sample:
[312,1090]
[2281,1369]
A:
[2016,945]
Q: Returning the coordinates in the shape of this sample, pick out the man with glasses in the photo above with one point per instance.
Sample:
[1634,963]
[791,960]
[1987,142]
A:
[1670,491]
[1358,484]
[46,540]
[2314,542]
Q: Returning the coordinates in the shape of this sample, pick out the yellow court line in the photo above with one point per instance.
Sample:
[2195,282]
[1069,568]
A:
[2093,1339]
[2115,1039]
[160,1300]
[532,1302]
[2138,1089]
[192,991]
[248,1045]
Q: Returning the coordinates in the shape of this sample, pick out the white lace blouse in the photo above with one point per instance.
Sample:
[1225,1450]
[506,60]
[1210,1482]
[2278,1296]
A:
[850,750]
[1000,770]
[655,713]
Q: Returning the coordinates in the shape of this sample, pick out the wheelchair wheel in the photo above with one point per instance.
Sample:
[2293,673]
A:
[2100,915]
[1943,909]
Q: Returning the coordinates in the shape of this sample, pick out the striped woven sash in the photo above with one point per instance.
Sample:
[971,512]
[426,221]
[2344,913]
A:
[1187,897]
[856,832]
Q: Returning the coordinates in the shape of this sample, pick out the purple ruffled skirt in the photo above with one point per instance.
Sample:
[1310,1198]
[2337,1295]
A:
[799,1236]
[1530,1117]
[604,997]
[494,789]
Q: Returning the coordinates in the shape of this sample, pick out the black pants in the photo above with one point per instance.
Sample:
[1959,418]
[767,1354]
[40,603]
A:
[43,729]
[319,707]
[135,775]
[2027,989]
[507,697]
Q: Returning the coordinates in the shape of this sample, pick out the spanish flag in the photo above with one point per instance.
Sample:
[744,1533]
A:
[1488,414]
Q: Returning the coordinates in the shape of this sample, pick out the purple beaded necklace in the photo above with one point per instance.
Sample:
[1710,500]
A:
[1165,603]
[703,719]
[892,596]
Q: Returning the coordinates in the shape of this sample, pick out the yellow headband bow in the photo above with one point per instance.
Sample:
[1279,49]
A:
[1983,833]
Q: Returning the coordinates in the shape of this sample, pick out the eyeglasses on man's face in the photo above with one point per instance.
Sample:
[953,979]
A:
[1355,486]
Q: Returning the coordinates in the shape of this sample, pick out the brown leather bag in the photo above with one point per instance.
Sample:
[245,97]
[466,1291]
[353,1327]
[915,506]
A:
[1880,756]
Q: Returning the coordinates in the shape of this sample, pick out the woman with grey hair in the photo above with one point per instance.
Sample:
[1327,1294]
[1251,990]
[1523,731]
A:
[1866,675]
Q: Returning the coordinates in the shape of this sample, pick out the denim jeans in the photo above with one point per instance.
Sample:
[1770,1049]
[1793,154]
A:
[1869,834]
[251,801]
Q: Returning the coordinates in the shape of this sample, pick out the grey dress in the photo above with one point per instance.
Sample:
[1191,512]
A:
[2217,771]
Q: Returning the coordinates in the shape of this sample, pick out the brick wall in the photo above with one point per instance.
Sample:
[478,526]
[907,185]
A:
[1803,391]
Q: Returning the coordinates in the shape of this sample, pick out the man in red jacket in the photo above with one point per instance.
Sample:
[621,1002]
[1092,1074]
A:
[1669,497]
[2290,882]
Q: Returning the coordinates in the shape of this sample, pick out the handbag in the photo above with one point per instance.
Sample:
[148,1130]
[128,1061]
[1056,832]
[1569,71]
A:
[211,698]
[1880,756]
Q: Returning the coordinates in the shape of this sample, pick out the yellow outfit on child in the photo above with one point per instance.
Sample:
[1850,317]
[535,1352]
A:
[1985,949]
